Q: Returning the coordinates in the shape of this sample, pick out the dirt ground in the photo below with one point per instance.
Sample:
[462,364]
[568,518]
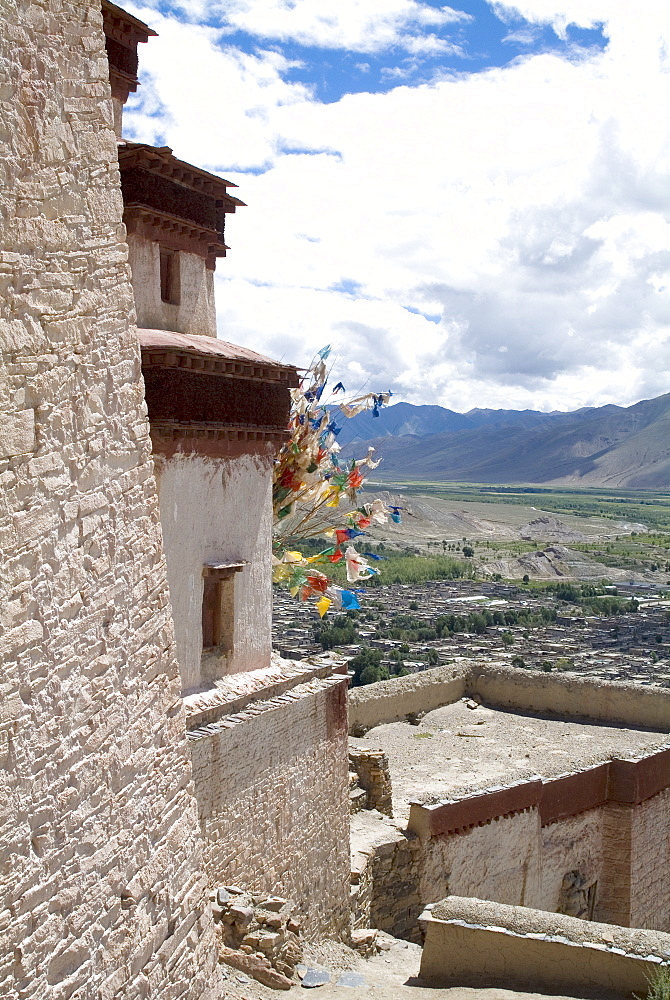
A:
[456,749]
[390,975]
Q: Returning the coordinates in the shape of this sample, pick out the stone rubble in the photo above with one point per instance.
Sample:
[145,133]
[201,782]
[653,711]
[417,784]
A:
[259,934]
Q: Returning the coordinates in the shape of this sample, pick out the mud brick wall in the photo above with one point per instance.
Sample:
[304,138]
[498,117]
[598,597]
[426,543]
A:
[272,790]
[101,890]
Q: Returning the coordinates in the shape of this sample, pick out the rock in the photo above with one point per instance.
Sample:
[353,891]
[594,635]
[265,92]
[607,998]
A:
[259,968]
[274,903]
[315,977]
[268,941]
[222,896]
[363,936]
[242,915]
[351,979]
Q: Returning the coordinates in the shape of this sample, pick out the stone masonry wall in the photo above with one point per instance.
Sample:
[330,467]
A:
[272,788]
[101,890]
[650,836]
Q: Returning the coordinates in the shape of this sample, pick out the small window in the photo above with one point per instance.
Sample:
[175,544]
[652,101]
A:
[217,613]
[218,605]
[169,264]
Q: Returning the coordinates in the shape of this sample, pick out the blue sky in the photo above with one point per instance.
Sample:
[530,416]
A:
[470,202]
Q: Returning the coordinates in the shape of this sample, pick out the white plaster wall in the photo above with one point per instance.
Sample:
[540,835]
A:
[571,844]
[195,313]
[499,861]
[218,510]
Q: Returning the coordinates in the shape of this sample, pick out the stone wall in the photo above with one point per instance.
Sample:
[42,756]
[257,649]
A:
[101,890]
[218,510]
[650,856]
[372,768]
[272,787]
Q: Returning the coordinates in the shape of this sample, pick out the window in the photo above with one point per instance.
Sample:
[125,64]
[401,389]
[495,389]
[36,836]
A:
[218,606]
[169,267]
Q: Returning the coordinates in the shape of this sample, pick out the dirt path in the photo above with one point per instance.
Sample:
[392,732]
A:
[390,975]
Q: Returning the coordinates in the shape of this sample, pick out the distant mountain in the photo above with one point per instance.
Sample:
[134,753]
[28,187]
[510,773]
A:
[405,418]
[595,446]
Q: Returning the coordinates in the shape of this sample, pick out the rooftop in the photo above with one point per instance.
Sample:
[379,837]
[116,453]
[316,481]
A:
[467,746]
[180,350]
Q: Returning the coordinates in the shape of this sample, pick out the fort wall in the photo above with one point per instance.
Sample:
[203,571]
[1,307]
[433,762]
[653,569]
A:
[506,687]
[102,892]
[399,697]
[272,787]
[589,843]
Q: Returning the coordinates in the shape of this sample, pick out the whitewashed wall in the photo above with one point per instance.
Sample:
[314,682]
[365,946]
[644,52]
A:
[218,510]
[195,313]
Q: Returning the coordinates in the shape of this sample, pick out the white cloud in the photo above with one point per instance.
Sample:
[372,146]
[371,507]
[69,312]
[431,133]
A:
[355,25]
[527,206]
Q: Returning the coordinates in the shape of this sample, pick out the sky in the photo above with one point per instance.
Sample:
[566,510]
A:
[470,203]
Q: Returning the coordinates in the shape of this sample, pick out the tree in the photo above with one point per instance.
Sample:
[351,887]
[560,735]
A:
[468,551]
[518,661]
[507,638]
[525,578]
[373,673]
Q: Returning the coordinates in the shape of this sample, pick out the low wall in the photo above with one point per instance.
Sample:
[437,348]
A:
[476,943]
[395,699]
[568,696]
[385,887]
[271,784]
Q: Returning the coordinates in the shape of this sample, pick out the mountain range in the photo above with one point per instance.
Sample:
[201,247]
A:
[594,446]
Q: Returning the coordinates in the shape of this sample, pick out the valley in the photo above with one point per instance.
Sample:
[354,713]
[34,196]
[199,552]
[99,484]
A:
[578,584]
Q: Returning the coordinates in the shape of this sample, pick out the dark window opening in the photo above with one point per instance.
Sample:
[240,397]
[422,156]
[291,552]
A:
[218,605]
[169,265]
